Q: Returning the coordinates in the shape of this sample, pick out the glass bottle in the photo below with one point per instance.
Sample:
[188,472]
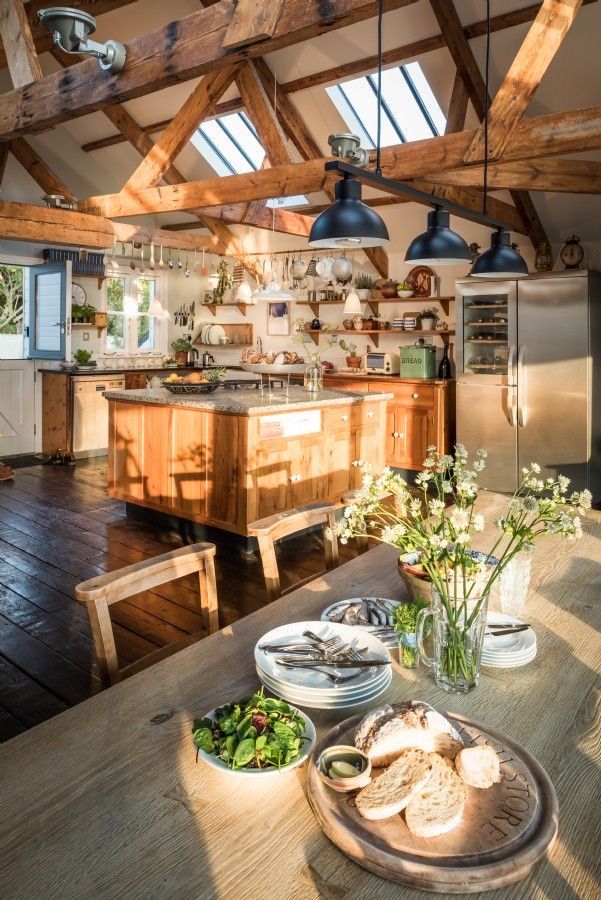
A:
[444,369]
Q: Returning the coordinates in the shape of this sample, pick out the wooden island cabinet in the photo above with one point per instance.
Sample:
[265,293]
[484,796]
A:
[243,455]
[421,413]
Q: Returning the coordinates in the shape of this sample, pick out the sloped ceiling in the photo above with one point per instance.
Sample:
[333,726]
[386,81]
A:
[572,81]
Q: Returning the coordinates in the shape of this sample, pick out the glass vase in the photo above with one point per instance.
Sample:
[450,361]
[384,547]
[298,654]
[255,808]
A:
[408,653]
[511,587]
[458,627]
[313,381]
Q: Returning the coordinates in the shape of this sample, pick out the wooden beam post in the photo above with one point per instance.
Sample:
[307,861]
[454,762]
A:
[260,112]
[538,49]
[35,166]
[252,22]
[574,176]
[181,128]
[21,56]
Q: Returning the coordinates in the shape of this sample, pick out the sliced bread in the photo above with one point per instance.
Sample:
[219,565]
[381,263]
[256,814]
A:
[390,793]
[388,731]
[438,806]
[478,766]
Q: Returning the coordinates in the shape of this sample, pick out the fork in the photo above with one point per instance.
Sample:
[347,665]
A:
[334,645]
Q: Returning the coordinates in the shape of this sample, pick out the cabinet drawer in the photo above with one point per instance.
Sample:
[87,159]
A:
[412,395]
[366,413]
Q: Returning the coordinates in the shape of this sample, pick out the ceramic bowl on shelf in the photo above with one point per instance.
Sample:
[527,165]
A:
[404,295]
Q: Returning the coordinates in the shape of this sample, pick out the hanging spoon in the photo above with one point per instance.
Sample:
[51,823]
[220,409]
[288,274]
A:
[152,256]
[203,268]
[141,266]
[187,269]
[180,265]
[132,262]
[170,262]
[195,265]
[161,263]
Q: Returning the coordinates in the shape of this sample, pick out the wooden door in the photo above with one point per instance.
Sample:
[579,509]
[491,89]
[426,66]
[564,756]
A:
[414,432]
[391,435]
[308,476]
[270,477]
[17,407]
[189,464]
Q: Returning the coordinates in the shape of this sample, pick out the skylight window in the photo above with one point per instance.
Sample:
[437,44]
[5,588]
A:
[231,146]
[410,110]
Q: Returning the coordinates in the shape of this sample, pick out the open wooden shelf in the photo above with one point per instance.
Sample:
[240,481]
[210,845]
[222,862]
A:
[215,306]
[374,302]
[375,333]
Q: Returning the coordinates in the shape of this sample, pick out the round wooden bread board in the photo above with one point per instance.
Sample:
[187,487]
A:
[504,833]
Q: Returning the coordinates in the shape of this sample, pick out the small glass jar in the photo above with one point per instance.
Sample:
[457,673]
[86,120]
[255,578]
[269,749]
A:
[313,380]
[408,650]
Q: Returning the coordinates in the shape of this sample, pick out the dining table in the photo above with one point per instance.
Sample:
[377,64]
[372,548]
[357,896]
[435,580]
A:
[108,800]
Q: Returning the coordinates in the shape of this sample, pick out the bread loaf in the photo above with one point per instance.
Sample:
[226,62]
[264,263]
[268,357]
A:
[388,731]
[438,806]
[390,793]
[478,766]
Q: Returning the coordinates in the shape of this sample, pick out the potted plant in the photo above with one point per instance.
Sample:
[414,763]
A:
[76,312]
[83,358]
[363,285]
[181,348]
[404,290]
[353,361]
[428,318]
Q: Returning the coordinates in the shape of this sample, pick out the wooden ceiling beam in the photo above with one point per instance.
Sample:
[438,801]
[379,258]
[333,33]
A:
[4,148]
[467,68]
[19,47]
[260,112]
[539,136]
[252,22]
[181,128]
[42,39]
[570,176]
[39,170]
[220,109]
[182,50]
[544,38]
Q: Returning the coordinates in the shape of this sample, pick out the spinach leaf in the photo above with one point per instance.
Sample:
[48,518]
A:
[203,739]
[245,751]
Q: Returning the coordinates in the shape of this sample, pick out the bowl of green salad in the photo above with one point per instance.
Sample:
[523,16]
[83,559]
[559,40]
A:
[254,736]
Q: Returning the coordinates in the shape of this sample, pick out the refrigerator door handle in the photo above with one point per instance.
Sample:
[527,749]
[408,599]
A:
[522,408]
[511,404]
[510,364]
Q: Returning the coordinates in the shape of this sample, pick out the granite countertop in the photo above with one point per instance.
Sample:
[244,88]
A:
[247,402]
[100,371]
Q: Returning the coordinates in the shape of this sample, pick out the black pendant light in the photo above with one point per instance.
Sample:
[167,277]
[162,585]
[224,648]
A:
[501,260]
[438,245]
[349,222]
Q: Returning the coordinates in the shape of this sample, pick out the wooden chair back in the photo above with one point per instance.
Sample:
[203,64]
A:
[100,592]
[268,531]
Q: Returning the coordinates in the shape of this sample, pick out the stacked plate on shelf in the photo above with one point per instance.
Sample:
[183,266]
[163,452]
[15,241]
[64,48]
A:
[211,334]
[507,651]
[311,687]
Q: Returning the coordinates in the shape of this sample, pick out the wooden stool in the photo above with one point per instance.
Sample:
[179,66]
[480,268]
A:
[272,529]
[100,592]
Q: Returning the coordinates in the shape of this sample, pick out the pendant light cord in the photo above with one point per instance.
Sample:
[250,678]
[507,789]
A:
[486,105]
[379,110]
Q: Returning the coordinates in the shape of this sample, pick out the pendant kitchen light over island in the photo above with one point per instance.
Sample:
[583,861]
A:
[348,222]
[438,245]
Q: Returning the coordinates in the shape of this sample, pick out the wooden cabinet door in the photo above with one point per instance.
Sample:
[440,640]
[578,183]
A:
[308,477]
[414,432]
[339,456]
[271,478]
[391,435]
[135,381]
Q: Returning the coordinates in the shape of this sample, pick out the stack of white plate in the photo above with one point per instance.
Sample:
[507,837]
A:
[311,688]
[507,651]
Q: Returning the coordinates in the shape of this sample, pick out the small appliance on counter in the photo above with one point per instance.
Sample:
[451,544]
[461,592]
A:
[418,360]
[382,363]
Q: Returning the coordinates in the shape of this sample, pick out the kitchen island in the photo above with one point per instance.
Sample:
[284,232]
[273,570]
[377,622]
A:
[229,458]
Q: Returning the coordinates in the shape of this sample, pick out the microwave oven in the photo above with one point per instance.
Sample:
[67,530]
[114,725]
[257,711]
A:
[383,363]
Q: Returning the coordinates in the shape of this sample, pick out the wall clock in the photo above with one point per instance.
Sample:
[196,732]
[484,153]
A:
[78,295]
[572,253]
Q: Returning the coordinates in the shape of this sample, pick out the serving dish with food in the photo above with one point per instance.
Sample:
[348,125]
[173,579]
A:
[285,362]
[452,805]
[254,736]
[204,382]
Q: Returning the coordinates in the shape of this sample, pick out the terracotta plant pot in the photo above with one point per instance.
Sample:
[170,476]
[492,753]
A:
[353,362]
[182,359]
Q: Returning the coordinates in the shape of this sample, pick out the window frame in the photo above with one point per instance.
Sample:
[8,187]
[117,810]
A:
[130,330]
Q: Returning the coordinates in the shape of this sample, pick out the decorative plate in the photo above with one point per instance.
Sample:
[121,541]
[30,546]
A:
[421,279]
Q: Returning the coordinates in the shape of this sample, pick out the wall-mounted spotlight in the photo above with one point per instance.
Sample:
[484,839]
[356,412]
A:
[70,29]
[57,201]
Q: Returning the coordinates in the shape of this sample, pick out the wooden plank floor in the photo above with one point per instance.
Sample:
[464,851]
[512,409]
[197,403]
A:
[57,528]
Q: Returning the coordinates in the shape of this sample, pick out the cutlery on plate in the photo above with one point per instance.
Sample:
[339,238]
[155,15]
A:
[514,629]
[335,664]
[301,648]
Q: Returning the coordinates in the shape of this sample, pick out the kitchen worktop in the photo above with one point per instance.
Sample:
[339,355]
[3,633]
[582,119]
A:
[391,379]
[246,402]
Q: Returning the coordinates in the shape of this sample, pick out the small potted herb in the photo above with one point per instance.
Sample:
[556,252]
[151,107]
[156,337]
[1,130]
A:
[83,358]
[405,619]
[353,360]
[428,318]
[363,285]
[181,348]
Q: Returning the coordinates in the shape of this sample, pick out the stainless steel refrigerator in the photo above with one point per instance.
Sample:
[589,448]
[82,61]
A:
[529,376]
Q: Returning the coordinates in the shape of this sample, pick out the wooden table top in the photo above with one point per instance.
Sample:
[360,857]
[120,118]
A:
[106,800]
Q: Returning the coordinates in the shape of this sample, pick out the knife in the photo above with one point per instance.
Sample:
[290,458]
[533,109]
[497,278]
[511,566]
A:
[515,629]
[333,664]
